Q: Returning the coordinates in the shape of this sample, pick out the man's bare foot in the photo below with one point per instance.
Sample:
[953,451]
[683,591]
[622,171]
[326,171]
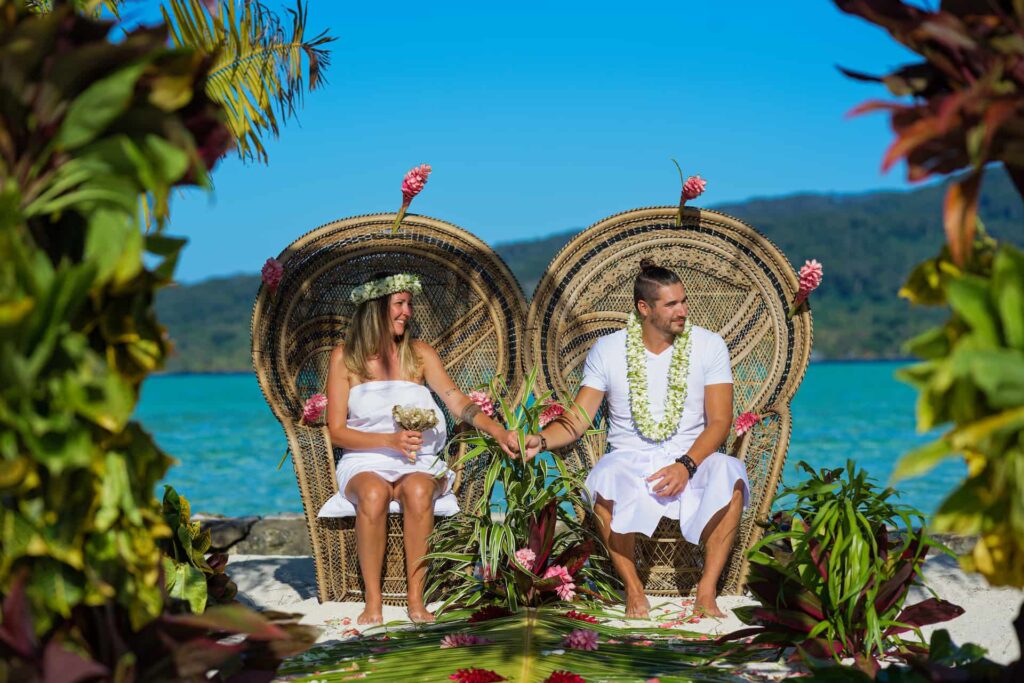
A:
[420,615]
[705,604]
[637,606]
[372,614]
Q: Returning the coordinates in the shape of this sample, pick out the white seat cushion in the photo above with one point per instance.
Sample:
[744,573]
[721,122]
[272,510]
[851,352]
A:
[340,506]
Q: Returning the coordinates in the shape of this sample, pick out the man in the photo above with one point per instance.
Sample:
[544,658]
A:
[669,391]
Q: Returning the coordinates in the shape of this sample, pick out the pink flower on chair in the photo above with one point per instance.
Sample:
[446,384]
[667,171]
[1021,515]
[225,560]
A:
[550,412]
[414,182]
[412,185]
[567,589]
[811,275]
[745,422]
[483,399]
[693,187]
[314,407]
[272,273]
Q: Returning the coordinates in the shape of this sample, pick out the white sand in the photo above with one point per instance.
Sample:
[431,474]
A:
[288,584]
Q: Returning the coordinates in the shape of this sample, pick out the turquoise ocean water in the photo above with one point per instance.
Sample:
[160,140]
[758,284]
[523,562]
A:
[228,442]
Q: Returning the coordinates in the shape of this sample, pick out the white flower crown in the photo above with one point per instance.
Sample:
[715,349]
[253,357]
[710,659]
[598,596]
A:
[374,289]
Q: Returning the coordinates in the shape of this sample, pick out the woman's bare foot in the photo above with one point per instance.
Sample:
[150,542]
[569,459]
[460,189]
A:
[637,606]
[372,614]
[420,615]
[706,605]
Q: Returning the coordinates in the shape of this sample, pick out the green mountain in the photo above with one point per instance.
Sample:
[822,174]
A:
[867,243]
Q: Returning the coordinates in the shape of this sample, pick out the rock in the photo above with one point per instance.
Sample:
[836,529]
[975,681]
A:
[225,532]
[276,535]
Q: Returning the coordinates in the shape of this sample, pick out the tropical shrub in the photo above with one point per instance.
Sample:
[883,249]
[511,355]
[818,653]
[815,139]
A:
[88,128]
[966,112]
[538,552]
[831,576]
[189,575]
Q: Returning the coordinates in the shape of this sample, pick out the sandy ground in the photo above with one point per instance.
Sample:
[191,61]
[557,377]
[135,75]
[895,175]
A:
[289,584]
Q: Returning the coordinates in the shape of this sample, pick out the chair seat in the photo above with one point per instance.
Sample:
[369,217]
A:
[340,506]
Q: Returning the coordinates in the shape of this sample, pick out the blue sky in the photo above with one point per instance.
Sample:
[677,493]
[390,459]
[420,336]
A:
[540,118]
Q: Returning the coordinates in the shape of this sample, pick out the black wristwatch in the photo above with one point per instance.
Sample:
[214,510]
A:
[687,462]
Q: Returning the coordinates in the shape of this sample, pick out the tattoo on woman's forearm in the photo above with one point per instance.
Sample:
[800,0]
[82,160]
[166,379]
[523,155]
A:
[469,412]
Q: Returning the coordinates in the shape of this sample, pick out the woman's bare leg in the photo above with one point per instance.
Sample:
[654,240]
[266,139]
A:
[416,493]
[371,495]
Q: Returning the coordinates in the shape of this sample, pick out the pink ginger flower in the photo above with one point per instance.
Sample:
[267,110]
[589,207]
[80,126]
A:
[693,187]
[314,407]
[414,182]
[745,422]
[550,412]
[272,273]
[581,639]
[483,399]
[526,558]
[412,185]
[810,276]
[567,589]
[462,640]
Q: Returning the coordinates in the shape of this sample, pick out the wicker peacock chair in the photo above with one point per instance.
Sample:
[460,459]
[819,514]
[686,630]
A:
[471,310]
[738,284]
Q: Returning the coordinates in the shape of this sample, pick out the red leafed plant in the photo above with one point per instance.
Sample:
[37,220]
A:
[519,561]
[967,106]
[832,579]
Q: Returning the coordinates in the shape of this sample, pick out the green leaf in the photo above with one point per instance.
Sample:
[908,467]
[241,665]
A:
[1008,286]
[922,460]
[98,106]
[187,583]
[969,297]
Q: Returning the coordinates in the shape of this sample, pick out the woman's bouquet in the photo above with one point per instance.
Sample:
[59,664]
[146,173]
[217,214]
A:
[415,419]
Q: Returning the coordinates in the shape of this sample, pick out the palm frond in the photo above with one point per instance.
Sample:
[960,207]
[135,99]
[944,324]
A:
[527,646]
[257,72]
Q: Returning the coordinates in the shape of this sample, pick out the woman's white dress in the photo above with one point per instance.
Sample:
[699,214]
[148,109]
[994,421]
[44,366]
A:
[369,410]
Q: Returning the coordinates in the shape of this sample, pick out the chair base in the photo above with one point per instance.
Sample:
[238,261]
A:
[347,585]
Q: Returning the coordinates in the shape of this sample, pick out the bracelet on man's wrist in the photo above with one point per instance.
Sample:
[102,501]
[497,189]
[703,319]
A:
[687,462]
[543,442]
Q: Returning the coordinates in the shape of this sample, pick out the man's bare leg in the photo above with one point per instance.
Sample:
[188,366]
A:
[416,493]
[717,537]
[620,548]
[371,495]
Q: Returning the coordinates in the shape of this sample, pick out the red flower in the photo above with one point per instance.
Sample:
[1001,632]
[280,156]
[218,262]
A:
[488,613]
[550,412]
[745,422]
[564,677]
[580,616]
[475,676]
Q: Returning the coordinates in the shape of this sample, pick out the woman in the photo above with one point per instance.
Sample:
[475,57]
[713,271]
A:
[379,366]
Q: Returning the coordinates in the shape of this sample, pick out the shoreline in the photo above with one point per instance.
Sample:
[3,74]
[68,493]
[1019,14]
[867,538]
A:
[821,361]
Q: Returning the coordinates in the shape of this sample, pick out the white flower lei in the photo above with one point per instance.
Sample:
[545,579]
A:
[636,373]
[402,282]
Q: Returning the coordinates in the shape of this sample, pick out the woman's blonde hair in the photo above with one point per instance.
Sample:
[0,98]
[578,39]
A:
[370,336]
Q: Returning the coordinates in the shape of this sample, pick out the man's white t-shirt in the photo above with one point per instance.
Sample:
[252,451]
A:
[605,370]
